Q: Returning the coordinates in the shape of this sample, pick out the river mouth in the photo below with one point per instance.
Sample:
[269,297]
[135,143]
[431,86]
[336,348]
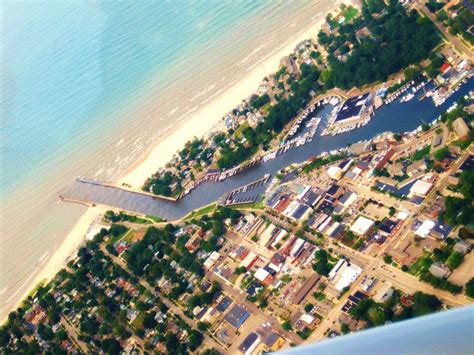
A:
[396,117]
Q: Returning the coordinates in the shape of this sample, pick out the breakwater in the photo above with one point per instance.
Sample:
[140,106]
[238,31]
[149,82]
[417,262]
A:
[397,117]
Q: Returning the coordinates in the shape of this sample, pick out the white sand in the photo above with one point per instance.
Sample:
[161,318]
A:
[60,257]
[161,153]
[202,121]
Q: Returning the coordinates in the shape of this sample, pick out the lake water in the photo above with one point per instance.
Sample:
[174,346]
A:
[86,87]
[396,117]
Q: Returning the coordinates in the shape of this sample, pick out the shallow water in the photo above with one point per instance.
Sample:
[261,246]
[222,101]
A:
[88,86]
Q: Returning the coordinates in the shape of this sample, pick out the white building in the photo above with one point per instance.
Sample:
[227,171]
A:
[420,188]
[425,228]
[343,274]
[362,226]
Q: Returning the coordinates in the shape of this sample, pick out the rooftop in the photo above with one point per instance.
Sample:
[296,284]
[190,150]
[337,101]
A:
[362,225]
[352,107]
[237,316]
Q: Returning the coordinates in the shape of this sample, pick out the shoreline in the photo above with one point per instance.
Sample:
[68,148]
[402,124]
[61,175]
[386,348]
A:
[204,120]
[161,152]
[59,256]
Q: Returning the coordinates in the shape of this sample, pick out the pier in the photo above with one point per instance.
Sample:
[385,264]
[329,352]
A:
[397,117]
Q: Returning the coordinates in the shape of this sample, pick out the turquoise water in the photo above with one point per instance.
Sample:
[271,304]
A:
[66,64]
[86,87]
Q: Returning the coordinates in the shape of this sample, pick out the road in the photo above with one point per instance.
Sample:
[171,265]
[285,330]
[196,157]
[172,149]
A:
[174,308]
[460,47]
[74,334]
[240,298]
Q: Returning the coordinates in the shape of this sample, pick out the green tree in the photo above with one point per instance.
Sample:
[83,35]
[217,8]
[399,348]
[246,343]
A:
[454,260]
[470,288]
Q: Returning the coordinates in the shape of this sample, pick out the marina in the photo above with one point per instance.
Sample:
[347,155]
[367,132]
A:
[397,117]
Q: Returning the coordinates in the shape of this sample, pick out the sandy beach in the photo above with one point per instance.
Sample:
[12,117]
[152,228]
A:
[161,152]
[59,257]
[205,119]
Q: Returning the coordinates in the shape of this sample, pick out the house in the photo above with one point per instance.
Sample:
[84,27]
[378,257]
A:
[461,128]
[439,270]
[250,343]
[384,293]
[237,316]
[416,167]
[224,304]
[263,276]
[362,226]
[211,260]
[462,247]
[348,198]
[273,342]
[335,191]
[307,286]
[193,243]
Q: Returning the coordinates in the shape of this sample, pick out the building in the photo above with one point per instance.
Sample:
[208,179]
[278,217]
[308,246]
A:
[420,188]
[362,226]
[250,343]
[273,342]
[224,304]
[348,199]
[211,260]
[425,228]
[416,167]
[237,316]
[387,227]
[461,128]
[353,108]
[462,247]
[343,274]
[307,286]
[386,157]
[439,270]
[396,169]
[335,172]
[384,293]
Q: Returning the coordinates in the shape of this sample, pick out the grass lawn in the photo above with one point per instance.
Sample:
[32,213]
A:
[350,13]
[420,154]
[116,238]
[138,322]
[240,129]
[154,218]
[422,262]
[141,220]
[201,212]
[319,296]
[250,206]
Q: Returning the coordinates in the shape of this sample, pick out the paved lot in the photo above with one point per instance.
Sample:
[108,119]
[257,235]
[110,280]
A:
[464,272]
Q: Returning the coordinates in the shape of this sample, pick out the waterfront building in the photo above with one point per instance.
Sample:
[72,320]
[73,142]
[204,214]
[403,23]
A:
[353,108]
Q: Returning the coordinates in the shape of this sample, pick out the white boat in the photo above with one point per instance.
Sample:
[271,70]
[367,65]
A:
[407,97]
